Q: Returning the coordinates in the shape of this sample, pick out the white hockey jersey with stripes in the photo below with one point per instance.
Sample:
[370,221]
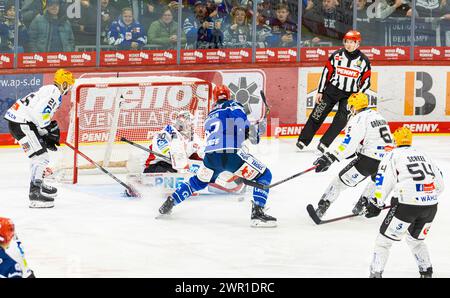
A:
[37,107]
[409,175]
[366,133]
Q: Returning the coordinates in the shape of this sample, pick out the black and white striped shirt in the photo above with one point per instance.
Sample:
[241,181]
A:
[349,72]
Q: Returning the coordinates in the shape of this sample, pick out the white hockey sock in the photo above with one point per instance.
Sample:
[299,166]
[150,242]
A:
[369,190]
[420,252]
[38,165]
[381,253]
[333,190]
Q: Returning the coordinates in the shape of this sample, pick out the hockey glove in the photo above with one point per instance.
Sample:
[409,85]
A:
[52,136]
[324,162]
[372,209]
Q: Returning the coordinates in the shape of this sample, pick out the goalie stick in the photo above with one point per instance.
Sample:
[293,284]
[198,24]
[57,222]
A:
[312,213]
[262,186]
[130,189]
[165,158]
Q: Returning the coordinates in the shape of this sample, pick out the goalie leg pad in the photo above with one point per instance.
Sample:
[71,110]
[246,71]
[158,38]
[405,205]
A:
[186,189]
[260,195]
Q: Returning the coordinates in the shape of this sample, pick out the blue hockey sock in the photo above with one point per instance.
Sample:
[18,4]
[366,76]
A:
[260,195]
[186,189]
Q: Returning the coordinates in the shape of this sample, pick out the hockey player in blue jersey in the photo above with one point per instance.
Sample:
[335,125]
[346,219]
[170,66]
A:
[9,268]
[226,129]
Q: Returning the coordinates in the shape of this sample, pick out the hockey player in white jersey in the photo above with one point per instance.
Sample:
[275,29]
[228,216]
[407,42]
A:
[413,183]
[367,137]
[30,123]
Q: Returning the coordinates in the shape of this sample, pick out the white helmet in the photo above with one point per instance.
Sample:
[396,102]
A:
[184,123]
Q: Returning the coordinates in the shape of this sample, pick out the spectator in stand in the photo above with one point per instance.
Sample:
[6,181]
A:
[427,9]
[329,22]
[50,32]
[239,33]
[391,8]
[284,32]
[7,28]
[31,9]
[126,33]
[265,9]
[109,13]
[198,27]
[263,31]
[85,28]
[217,36]
[163,32]
[150,11]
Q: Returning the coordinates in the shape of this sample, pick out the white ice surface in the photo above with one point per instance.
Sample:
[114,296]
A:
[95,232]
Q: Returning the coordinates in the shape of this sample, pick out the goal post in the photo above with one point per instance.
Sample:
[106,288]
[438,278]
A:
[105,109]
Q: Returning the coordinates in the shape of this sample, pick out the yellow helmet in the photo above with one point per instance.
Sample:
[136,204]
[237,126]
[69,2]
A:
[358,101]
[403,136]
[64,76]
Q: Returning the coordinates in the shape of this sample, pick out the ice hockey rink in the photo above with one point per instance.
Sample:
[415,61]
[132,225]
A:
[94,231]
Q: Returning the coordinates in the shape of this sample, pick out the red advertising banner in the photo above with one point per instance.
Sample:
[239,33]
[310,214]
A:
[429,127]
[386,53]
[6,60]
[373,53]
[276,55]
[143,57]
[56,59]
[216,56]
[431,53]
[316,54]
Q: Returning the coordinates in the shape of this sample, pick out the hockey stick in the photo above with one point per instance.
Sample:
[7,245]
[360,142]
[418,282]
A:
[312,213]
[103,169]
[262,186]
[165,158]
[264,99]
[22,256]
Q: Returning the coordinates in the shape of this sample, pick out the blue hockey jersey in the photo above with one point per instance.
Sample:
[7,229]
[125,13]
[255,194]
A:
[8,267]
[226,127]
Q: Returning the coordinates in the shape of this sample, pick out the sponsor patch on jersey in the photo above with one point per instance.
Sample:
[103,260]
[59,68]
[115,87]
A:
[379,180]
[15,106]
[425,187]
[347,72]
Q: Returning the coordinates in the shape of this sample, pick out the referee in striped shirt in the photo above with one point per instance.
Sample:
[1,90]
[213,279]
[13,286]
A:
[347,71]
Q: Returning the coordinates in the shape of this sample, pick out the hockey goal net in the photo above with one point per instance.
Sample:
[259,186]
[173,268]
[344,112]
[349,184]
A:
[106,109]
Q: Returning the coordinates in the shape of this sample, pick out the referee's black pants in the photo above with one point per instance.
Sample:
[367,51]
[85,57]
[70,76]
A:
[331,96]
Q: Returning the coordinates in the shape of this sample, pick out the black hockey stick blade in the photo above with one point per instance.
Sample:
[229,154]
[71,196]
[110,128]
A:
[262,186]
[165,158]
[264,99]
[318,221]
[312,213]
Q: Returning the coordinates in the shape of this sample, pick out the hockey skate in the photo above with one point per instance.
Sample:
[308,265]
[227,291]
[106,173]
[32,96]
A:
[317,214]
[322,207]
[426,274]
[166,208]
[360,206]
[375,275]
[38,199]
[261,220]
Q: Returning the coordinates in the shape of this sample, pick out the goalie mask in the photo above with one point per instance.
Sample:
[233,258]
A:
[184,124]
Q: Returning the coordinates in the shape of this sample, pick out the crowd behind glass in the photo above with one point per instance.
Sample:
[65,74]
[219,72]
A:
[71,25]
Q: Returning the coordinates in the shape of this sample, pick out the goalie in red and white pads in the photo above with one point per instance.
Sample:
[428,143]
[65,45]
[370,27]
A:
[178,143]
[177,153]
